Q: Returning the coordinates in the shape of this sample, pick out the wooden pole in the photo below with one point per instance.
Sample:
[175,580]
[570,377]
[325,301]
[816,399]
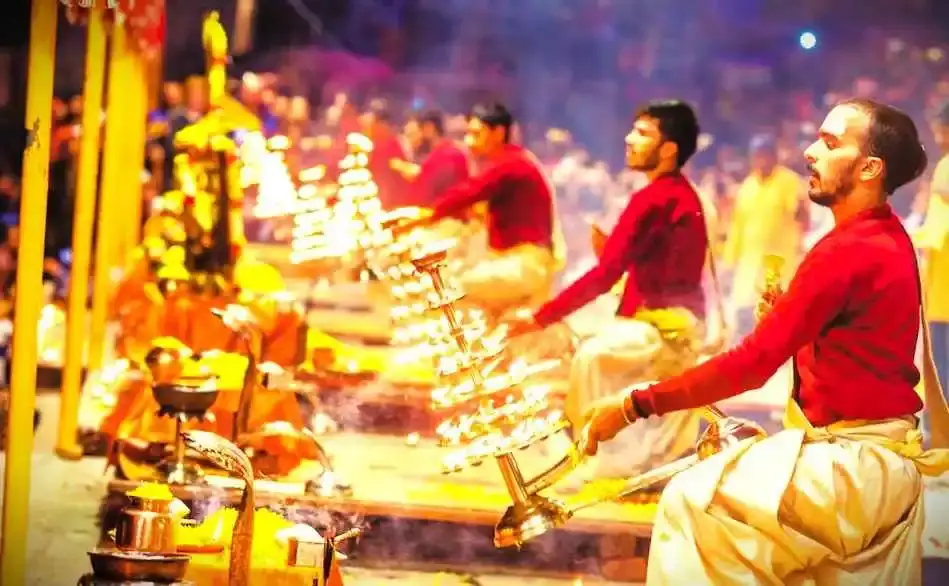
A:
[29,294]
[87,182]
[110,222]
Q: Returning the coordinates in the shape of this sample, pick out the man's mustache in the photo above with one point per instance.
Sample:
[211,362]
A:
[813,171]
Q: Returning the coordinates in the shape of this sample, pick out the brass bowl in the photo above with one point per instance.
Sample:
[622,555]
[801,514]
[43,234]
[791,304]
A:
[186,395]
[138,567]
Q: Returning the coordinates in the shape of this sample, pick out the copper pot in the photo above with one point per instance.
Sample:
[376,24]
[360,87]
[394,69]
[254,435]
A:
[146,527]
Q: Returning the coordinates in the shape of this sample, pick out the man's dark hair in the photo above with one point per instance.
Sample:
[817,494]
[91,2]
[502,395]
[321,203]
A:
[433,117]
[892,136]
[677,123]
[493,115]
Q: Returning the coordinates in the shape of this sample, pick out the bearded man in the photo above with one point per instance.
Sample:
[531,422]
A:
[660,244]
[836,497]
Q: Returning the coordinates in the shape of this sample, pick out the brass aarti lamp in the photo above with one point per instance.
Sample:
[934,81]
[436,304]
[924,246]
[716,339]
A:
[507,415]
[497,414]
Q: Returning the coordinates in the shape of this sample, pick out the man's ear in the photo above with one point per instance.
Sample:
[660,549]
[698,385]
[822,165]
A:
[872,168]
[669,149]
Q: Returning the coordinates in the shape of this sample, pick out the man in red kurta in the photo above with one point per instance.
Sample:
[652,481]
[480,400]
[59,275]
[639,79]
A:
[660,244]
[522,228]
[443,163]
[835,497]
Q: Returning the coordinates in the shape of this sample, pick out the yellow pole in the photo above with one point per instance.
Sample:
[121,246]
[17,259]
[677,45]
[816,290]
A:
[110,221]
[29,294]
[138,115]
[87,181]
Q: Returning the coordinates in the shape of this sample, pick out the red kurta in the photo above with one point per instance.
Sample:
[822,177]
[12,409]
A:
[444,167]
[519,196]
[850,318]
[660,241]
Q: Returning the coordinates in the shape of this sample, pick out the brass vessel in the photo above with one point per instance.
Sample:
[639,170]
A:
[147,527]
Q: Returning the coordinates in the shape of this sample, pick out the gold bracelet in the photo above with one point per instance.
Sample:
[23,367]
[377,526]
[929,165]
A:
[627,408]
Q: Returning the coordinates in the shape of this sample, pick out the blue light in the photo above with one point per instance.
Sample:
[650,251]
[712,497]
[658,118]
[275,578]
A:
[808,41]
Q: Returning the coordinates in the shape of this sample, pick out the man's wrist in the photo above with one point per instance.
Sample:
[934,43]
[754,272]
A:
[631,408]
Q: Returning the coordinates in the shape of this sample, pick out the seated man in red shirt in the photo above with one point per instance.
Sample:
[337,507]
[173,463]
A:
[441,163]
[660,244]
[835,498]
[524,242]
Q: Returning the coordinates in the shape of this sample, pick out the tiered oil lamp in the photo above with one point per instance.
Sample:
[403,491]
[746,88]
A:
[498,413]
[495,413]
[347,224]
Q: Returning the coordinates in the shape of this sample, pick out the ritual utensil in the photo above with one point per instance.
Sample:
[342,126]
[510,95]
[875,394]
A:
[509,414]
[500,430]
[148,526]
[184,399]
[231,458]
[125,567]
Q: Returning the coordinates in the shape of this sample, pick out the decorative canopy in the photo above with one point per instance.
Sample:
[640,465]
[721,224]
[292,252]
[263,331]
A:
[144,20]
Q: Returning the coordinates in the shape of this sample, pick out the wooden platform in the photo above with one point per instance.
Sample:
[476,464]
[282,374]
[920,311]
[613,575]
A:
[418,515]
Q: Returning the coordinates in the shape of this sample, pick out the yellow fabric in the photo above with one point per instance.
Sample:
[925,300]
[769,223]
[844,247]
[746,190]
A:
[933,237]
[763,222]
[806,521]
[258,278]
[508,279]
[792,510]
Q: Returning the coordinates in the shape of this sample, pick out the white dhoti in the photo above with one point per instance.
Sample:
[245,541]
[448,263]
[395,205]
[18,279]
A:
[509,279]
[620,353]
[837,506]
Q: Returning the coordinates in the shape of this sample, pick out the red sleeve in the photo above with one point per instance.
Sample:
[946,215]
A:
[816,296]
[482,187]
[619,250]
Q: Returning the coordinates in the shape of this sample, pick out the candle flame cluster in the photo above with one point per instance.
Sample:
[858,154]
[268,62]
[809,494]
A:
[347,223]
[264,165]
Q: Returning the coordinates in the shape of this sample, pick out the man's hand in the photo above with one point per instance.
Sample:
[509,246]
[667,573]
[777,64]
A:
[597,239]
[520,324]
[606,418]
[404,168]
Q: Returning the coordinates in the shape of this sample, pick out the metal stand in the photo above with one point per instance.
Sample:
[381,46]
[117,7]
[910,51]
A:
[531,515]
[178,470]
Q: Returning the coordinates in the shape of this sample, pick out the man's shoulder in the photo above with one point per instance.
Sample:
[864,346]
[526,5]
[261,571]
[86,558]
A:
[864,248]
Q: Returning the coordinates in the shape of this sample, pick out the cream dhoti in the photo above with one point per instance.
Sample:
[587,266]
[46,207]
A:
[837,505]
[503,280]
[622,352]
